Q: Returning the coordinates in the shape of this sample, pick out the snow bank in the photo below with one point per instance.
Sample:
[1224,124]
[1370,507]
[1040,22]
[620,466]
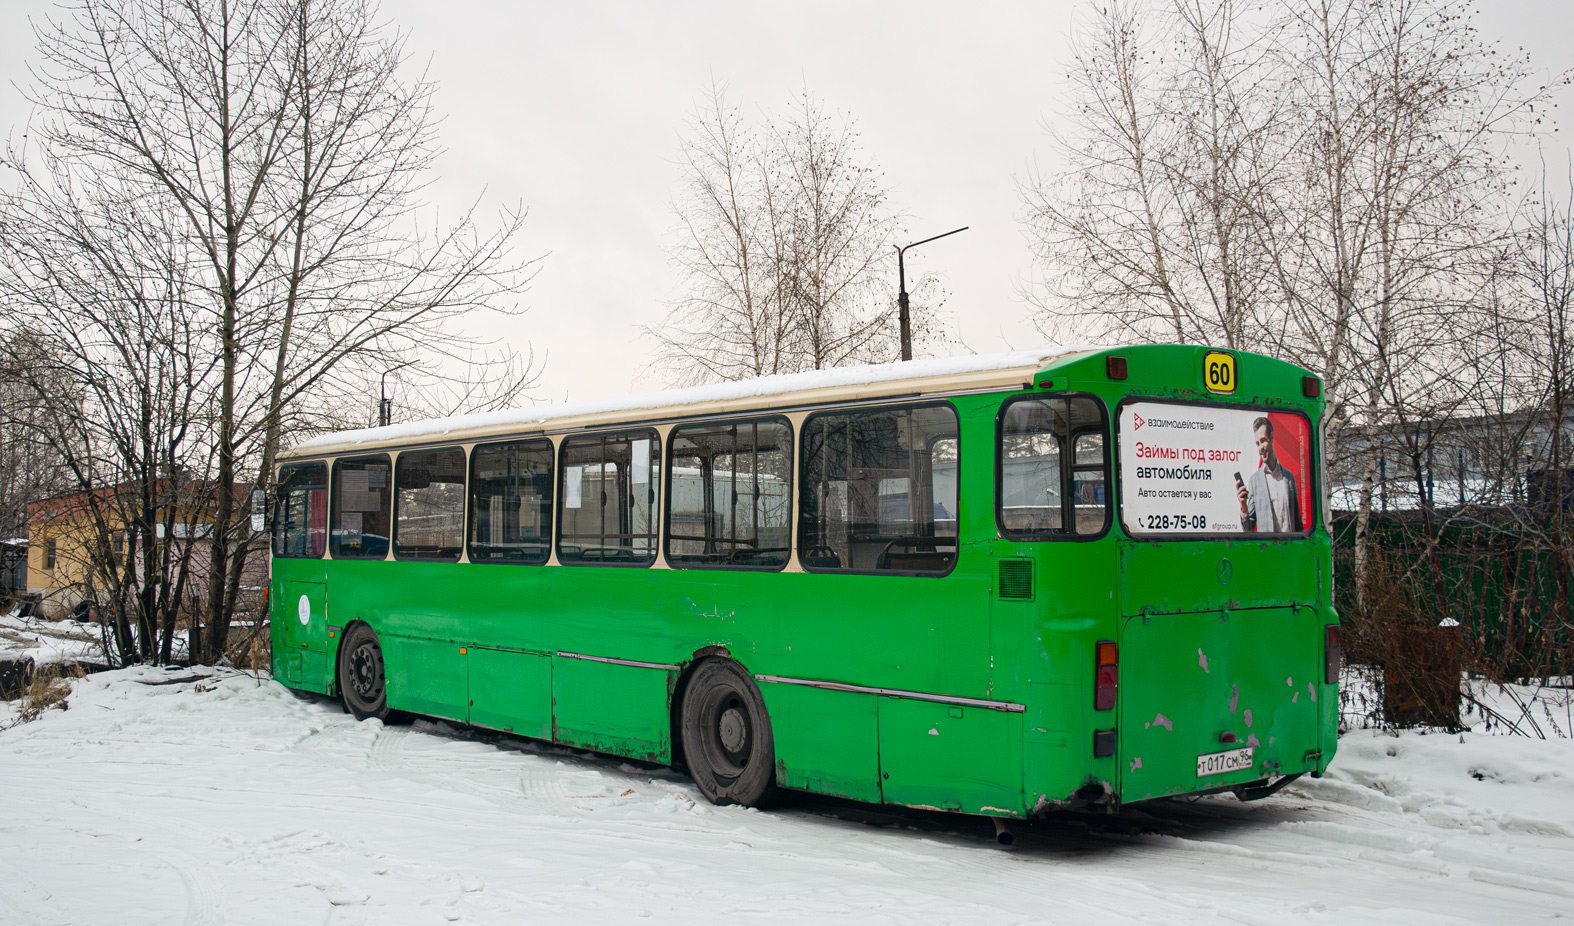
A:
[48,642]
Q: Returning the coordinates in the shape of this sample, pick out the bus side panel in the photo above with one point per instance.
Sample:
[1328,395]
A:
[511,691]
[612,708]
[1056,740]
[950,757]
[426,676]
[825,740]
[1044,654]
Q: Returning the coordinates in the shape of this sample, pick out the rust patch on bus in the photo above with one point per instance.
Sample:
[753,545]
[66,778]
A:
[1093,795]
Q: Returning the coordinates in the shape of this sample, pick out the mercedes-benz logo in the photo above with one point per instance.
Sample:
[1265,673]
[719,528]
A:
[1226,571]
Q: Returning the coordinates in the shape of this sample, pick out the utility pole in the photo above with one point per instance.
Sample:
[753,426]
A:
[901,294]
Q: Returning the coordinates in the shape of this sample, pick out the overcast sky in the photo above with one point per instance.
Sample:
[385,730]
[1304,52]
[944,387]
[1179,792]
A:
[576,109]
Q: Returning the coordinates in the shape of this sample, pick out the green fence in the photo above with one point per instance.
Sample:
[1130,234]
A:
[1505,580]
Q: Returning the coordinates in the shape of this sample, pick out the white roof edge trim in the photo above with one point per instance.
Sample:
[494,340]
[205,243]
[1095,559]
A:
[535,417]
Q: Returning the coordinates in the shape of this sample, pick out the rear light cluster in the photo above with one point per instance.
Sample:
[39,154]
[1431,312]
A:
[1106,678]
[1333,654]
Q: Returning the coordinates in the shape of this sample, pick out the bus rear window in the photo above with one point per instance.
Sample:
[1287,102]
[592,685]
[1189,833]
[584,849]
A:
[1211,469]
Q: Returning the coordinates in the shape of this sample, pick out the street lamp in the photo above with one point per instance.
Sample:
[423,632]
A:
[384,409]
[901,296]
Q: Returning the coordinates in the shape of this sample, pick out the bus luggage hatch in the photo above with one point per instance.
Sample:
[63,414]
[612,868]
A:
[1211,699]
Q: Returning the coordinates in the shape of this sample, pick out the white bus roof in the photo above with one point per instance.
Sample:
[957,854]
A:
[841,384]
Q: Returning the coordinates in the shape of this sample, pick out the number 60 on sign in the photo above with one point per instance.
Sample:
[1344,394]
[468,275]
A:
[1218,371]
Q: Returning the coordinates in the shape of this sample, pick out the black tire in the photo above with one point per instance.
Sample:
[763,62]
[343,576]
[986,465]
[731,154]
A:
[362,681]
[727,741]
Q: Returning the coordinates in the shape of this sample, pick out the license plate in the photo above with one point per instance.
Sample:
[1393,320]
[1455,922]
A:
[1220,763]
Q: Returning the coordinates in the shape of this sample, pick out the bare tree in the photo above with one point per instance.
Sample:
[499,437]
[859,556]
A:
[279,149]
[118,315]
[1152,232]
[1327,185]
[1543,370]
[31,469]
[784,241]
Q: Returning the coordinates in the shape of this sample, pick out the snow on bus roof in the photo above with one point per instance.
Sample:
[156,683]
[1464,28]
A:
[532,416]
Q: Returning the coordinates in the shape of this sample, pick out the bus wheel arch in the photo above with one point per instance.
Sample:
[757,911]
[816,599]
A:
[361,674]
[680,685]
[727,742]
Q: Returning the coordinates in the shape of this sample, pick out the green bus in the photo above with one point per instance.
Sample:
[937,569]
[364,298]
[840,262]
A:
[1057,578]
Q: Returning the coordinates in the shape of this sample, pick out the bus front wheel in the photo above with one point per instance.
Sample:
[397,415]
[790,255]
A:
[361,677]
[727,738]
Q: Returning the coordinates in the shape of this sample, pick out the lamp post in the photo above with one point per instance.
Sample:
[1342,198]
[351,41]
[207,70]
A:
[385,410]
[901,295]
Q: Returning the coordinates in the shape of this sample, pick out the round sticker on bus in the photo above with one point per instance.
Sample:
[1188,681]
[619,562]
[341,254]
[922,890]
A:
[303,610]
[1218,371]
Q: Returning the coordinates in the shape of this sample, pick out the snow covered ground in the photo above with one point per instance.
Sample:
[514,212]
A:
[47,642]
[175,796]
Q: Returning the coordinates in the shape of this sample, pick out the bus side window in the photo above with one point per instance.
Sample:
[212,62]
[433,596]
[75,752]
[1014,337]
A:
[729,492]
[362,497]
[878,490]
[300,525]
[429,511]
[607,488]
[1052,474]
[511,502]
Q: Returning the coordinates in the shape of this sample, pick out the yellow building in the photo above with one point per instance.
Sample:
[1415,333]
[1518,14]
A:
[67,554]
[70,557]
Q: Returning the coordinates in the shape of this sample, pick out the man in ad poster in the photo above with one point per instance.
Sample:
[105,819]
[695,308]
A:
[1269,503]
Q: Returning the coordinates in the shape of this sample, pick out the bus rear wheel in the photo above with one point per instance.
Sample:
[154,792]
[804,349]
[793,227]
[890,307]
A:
[727,739]
[362,681]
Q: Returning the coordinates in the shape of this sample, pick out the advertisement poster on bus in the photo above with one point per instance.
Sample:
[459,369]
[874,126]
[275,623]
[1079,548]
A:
[1203,469]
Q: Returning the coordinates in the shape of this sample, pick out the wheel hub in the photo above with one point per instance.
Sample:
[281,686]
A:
[733,729]
[361,672]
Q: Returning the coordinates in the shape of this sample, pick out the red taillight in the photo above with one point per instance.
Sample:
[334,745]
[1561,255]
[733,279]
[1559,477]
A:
[1333,654]
[1106,678]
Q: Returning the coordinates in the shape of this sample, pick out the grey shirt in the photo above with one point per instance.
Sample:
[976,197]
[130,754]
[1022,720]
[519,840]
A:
[1271,504]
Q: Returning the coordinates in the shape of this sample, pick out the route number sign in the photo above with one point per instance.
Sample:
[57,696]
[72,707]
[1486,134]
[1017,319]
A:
[1218,371]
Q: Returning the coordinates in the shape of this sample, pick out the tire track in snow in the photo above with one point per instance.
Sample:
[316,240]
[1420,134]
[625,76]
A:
[387,749]
[14,889]
[202,905]
[1379,831]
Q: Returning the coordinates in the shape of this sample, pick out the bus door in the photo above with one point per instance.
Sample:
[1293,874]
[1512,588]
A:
[300,596]
[302,609]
